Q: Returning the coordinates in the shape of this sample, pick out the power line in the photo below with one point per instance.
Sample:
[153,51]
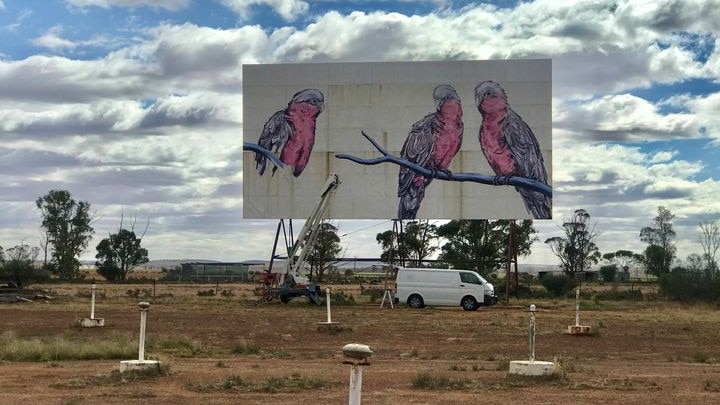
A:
[366,228]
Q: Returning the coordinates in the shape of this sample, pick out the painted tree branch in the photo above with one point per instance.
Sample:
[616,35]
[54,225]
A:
[268,154]
[472,177]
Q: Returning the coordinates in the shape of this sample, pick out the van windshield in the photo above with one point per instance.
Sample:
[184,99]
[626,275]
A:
[471,278]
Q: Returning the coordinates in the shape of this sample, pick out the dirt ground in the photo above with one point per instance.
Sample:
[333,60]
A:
[639,353]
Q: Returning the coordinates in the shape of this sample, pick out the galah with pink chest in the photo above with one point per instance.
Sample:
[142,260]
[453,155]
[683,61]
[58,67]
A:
[291,132]
[510,146]
[432,143]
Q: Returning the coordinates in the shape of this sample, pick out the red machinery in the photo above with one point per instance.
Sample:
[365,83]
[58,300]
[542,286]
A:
[294,281]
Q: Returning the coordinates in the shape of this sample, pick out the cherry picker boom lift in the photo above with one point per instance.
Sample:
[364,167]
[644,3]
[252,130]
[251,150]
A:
[294,281]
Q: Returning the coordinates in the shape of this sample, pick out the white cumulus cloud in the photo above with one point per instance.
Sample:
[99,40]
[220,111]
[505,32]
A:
[625,117]
[155,125]
[172,5]
[289,10]
[52,40]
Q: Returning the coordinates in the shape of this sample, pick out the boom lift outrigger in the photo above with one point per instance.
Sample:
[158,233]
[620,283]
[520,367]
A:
[294,281]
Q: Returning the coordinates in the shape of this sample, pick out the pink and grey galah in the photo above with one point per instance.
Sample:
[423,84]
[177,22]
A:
[510,146]
[432,143]
[291,132]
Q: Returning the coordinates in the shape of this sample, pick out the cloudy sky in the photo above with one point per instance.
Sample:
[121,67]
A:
[136,106]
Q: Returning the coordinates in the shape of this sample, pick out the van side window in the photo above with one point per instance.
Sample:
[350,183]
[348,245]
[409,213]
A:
[469,278]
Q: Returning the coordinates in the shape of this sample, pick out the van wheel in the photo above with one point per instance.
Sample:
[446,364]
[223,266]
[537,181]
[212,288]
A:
[469,304]
[415,301]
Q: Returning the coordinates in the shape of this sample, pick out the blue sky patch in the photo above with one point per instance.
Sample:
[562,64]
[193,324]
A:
[692,87]
[691,150]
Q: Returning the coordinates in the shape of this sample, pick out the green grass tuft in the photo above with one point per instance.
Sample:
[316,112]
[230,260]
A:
[246,348]
[60,348]
[176,346]
[107,347]
[428,381]
[293,383]
[701,358]
[563,368]
[503,364]
[117,378]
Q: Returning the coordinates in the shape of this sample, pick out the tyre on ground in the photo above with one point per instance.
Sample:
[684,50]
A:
[415,301]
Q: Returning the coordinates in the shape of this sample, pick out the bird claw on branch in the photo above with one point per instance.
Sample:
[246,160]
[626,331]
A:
[515,181]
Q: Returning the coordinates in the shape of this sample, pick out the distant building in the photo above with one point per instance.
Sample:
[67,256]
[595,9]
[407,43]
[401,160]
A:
[582,276]
[220,271]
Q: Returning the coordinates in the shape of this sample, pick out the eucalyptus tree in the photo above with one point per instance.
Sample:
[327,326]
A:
[325,249]
[482,245]
[577,249]
[660,253]
[68,226]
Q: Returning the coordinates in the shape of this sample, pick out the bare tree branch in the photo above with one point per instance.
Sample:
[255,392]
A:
[471,177]
[387,157]
[710,242]
[134,221]
[147,225]
[44,243]
[268,154]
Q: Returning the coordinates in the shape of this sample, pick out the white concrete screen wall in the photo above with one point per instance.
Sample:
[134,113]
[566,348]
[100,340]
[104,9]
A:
[384,99]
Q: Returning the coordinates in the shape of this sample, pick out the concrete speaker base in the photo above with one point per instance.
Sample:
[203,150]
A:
[531,368]
[578,330]
[91,322]
[139,365]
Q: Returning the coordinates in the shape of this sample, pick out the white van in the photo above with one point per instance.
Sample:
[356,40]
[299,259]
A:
[440,287]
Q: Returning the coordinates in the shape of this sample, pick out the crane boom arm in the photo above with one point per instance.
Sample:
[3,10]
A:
[297,257]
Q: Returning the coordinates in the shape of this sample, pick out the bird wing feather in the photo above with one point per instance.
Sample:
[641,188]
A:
[276,132]
[524,148]
[418,148]
[528,163]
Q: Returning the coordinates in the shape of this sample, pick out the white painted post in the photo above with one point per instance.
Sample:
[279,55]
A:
[577,306]
[327,302]
[144,306]
[92,302]
[355,384]
[532,332]
[357,356]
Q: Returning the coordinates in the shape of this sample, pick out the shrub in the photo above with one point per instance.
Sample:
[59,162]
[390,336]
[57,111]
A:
[629,295]
[206,293]
[608,272]
[433,382]
[374,293]
[342,298]
[524,289]
[684,285]
[526,292]
[558,286]
[244,347]
[138,293]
